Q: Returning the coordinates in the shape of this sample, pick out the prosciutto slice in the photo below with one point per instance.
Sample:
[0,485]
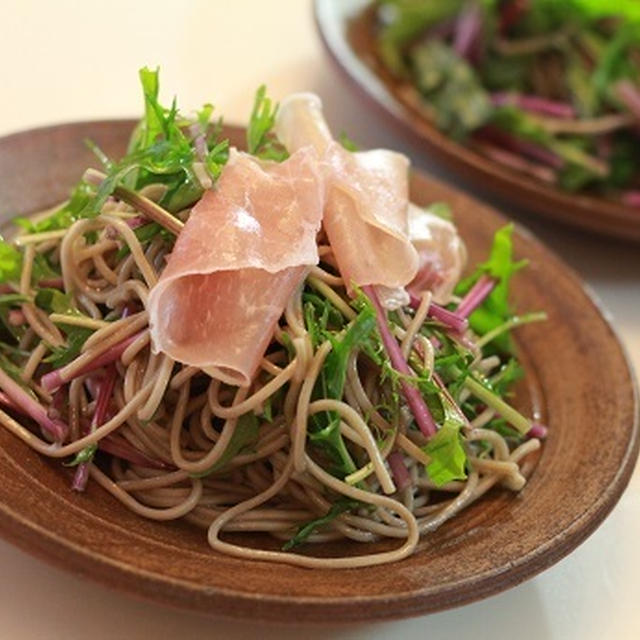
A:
[244,250]
[365,215]
[441,252]
[377,236]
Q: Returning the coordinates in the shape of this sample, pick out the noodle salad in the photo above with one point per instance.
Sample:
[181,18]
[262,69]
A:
[271,341]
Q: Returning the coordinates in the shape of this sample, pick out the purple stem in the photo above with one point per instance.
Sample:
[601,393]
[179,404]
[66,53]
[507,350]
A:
[54,379]
[137,222]
[533,104]
[631,198]
[16,318]
[449,318]
[537,430]
[510,142]
[120,448]
[52,283]
[81,477]
[105,391]
[9,403]
[629,95]
[399,471]
[476,296]
[511,12]
[416,403]
[468,29]
[199,141]
[445,392]
[513,161]
[56,429]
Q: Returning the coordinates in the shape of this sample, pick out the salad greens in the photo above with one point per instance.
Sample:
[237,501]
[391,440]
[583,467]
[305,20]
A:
[547,87]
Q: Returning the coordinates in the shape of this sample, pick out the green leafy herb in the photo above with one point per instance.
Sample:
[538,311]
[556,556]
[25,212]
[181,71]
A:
[496,309]
[54,301]
[75,337]
[11,333]
[404,20]
[450,84]
[10,263]
[448,457]
[347,142]
[324,429]
[83,456]
[260,139]
[244,435]
[337,508]
[161,152]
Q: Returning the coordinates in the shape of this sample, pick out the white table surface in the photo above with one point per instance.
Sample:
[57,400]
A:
[78,59]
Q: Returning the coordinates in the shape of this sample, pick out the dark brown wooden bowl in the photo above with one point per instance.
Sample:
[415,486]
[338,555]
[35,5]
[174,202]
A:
[498,542]
[346,30]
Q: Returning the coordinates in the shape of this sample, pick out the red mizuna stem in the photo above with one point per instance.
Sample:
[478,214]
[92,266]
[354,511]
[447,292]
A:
[414,399]
[476,296]
[16,318]
[506,141]
[450,318]
[468,30]
[199,140]
[533,104]
[52,283]
[81,477]
[137,222]
[629,95]
[631,198]
[399,471]
[54,379]
[9,403]
[511,13]
[537,430]
[49,283]
[105,391]
[32,408]
[517,162]
[120,448]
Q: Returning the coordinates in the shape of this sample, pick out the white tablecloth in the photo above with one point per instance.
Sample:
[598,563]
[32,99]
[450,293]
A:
[74,60]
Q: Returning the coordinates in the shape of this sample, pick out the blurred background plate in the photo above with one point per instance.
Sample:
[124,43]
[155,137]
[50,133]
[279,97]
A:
[346,30]
[496,543]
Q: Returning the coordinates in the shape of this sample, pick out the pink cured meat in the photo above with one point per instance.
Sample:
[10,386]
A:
[365,215]
[244,250]
[441,252]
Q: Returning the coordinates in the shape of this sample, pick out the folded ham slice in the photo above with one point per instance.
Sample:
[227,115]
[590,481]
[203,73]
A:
[244,250]
[441,252]
[376,235]
[365,215]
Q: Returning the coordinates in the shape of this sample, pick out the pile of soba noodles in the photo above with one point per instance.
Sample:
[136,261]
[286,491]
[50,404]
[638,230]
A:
[329,440]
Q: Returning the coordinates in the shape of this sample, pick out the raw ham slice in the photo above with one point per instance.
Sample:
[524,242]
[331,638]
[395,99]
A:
[441,251]
[365,214]
[377,236]
[244,250]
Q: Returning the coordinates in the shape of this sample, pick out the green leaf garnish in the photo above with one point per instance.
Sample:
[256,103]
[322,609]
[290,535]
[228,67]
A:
[244,435]
[448,457]
[337,508]
[260,140]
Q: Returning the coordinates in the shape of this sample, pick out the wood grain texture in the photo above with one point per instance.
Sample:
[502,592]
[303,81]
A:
[583,210]
[498,542]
